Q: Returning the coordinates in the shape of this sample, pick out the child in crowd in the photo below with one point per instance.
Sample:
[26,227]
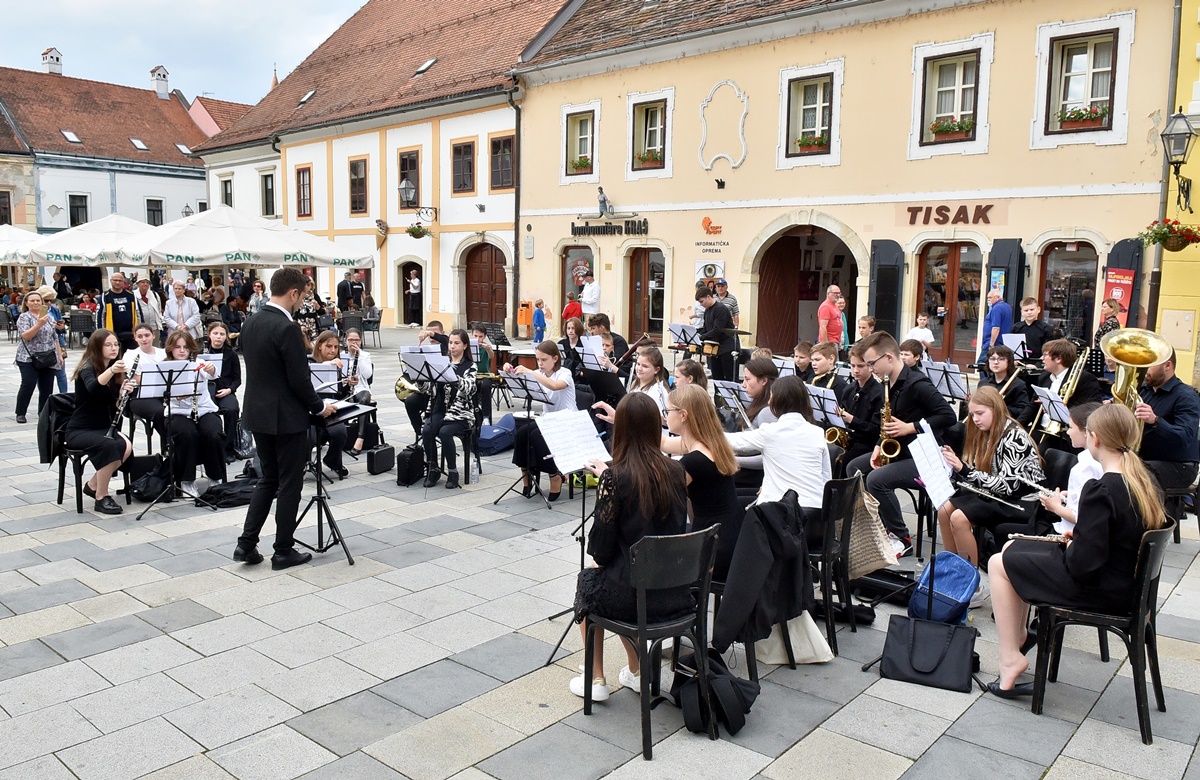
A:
[911,352]
[866,326]
[921,331]
[802,357]
[539,321]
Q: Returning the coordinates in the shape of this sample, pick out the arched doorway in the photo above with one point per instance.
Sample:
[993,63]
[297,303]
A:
[951,294]
[487,284]
[796,269]
[1067,291]
[404,311]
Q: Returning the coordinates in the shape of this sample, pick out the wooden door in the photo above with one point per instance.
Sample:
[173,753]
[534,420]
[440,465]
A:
[951,276]
[647,271]
[778,294]
[487,285]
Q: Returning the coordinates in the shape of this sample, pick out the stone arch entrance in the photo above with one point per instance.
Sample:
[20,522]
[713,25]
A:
[406,313]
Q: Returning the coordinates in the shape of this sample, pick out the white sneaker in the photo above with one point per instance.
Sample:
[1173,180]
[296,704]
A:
[599,689]
[899,546]
[630,680]
[188,488]
[981,593]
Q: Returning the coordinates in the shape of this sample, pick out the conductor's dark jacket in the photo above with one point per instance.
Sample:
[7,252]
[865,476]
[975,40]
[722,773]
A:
[280,395]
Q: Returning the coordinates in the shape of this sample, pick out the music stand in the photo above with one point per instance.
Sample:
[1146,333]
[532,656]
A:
[825,407]
[786,366]
[948,379]
[1016,342]
[346,412]
[1052,404]
[162,380]
[526,387]
[685,338]
[606,385]
[735,397]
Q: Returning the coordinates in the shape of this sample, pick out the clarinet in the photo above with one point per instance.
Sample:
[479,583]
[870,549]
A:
[196,396]
[123,398]
[353,367]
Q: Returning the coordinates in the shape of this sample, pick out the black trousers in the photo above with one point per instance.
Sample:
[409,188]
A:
[335,436]
[722,367]
[414,406]
[358,427]
[484,395]
[33,377]
[437,429]
[202,441]
[1172,475]
[229,409]
[530,450]
[282,458]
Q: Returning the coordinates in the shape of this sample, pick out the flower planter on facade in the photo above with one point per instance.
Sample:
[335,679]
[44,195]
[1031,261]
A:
[581,171]
[1175,243]
[813,149]
[953,135]
[1082,124]
[649,164]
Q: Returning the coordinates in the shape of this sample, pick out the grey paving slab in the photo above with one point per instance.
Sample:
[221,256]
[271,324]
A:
[305,644]
[436,688]
[201,540]
[782,716]
[125,705]
[1122,750]
[178,615]
[359,766]
[374,622]
[354,722]
[591,758]
[141,659]
[44,768]
[948,757]
[278,752]
[618,721]
[838,681]
[438,524]
[123,556]
[47,687]
[231,716]
[1064,702]
[507,657]
[5,612]
[129,753]
[190,563]
[409,554]
[396,535]
[217,636]
[1181,721]
[101,637]
[226,671]
[1015,732]
[72,548]
[499,530]
[19,559]
[897,729]
[49,595]
[41,733]
[43,522]
[319,683]
[26,657]
[1178,627]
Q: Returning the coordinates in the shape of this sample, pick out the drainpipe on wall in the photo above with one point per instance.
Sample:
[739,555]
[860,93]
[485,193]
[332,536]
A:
[1172,87]
[516,245]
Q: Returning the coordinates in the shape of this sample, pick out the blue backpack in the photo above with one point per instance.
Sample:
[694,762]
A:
[953,587]
[497,438]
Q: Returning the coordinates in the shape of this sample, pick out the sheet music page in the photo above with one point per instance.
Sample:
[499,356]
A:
[474,350]
[682,333]
[786,366]
[593,345]
[937,374]
[440,369]
[216,360]
[324,377]
[1015,342]
[154,379]
[731,391]
[825,405]
[956,381]
[413,363]
[1052,403]
[571,439]
[932,468]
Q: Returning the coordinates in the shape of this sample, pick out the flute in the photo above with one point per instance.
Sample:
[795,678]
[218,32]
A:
[991,496]
[1042,490]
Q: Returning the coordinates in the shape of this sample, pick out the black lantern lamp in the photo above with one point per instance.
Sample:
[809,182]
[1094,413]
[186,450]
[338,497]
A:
[1177,139]
[187,211]
[408,198]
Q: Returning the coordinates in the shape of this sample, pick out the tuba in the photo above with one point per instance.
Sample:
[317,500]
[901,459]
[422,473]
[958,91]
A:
[888,448]
[1134,350]
[404,389]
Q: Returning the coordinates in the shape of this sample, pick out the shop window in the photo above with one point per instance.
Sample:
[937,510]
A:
[6,214]
[649,134]
[502,163]
[266,185]
[580,135]
[576,260]
[1082,74]
[950,95]
[304,192]
[227,191]
[410,168]
[358,186]
[154,212]
[77,208]
[463,170]
[1069,289]
[810,115]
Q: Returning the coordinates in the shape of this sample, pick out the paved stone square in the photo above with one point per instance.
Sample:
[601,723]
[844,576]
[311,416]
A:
[139,649]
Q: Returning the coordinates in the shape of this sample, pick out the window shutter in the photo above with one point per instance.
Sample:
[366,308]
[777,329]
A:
[887,278]
[1009,256]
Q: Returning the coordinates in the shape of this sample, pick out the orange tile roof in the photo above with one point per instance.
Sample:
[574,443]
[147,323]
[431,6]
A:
[368,65]
[10,142]
[600,26]
[223,112]
[103,116]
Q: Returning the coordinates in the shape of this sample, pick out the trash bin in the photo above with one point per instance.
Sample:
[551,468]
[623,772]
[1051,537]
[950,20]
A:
[525,317]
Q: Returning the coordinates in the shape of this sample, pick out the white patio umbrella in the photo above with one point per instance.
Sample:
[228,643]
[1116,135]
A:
[92,243]
[15,243]
[224,236]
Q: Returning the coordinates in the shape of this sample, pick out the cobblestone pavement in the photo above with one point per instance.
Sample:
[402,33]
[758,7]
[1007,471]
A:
[132,649]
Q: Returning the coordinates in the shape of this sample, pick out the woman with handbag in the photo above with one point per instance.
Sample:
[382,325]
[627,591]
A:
[1094,569]
[38,353]
[99,381]
[643,493]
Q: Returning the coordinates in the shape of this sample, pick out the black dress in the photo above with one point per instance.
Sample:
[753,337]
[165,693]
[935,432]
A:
[714,500]
[606,590]
[95,407]
[1096,570]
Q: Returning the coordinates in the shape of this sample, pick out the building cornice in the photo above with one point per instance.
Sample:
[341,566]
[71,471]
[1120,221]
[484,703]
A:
[81,162]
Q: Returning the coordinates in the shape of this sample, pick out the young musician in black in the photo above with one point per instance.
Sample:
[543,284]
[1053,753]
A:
[912,398]
[452,410]
[98,384]
[861,402]
[1058,360]
[823,360]
[717,321]
[1170,415]
[1034,329]
[224,388]
[415,404]
[359,372]
[1002,375]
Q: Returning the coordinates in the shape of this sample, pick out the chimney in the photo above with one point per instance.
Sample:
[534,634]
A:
[158,80]
[52,61]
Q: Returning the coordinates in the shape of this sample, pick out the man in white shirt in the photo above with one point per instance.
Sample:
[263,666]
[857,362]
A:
[589,299]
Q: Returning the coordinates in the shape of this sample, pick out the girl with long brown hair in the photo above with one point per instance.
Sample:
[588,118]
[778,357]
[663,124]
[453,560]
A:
[643,493]
[997,451]
[194,422]
[99,379]
[760,374]
[1094,568]
[650,376]
[556,379]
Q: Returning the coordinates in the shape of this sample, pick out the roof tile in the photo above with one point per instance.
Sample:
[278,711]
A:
[223,112]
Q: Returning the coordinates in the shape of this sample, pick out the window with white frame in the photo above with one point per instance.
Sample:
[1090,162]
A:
[649,134]
[950,95]
[227,191]
[266,186]
[810,115]
[580,136]
[1081,80]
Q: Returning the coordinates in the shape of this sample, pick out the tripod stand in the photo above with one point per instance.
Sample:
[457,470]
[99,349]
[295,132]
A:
[163,377]
[525,386]
[321,498]
[580,537]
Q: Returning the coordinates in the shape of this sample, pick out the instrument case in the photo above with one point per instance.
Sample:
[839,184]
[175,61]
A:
[382,457]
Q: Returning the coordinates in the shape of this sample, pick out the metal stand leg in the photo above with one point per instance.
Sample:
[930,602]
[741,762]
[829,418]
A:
[582,539]
[324,514]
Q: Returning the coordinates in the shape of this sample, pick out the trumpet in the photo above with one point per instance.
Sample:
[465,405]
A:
[889,448]
[123,400]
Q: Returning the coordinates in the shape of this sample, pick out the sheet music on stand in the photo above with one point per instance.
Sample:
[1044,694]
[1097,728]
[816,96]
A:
[592,345]
[825,406]
[571,438]
[948,379]
[932,468]
[154,379]
[735,397]
[842,370]
[684,334]
[424,349]
[474,350]
[526,387]
[438,369]
[1056,410]
[1016,342]
[215,358]
[324,376]
[786,366]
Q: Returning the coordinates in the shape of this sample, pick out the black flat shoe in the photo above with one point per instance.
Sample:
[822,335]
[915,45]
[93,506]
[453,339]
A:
[21,419]
[289,559]
[553,496]
[1015,692]
[1029,643]
[108,506]
[432,478]
[451,480]
[87,490]
[527,490]
[249,556]
[342,473]
[354,452]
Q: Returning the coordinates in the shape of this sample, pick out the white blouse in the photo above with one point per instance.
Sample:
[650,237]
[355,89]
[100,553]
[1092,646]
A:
[795,457]
[561,399]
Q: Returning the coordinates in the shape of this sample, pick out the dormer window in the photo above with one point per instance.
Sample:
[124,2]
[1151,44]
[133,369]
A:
[183,148]
[307,97]
[71,137]
[139,145]
[428,64]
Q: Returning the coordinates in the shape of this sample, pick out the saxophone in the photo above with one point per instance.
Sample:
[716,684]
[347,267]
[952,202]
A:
[123,399]
[888,448]
[834,434]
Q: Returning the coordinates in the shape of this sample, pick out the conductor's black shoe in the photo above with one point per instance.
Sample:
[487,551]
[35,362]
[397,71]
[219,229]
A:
[342,473]
[249,555]
[230,457]
[451,479]
[21,419]
[289,559]
[108,506]
[432,478]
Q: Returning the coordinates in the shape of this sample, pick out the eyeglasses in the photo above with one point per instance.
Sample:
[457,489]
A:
[668,410]
[871,363]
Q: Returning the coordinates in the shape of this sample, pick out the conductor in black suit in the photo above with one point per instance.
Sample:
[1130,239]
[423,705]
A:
[279,399]
[717,320]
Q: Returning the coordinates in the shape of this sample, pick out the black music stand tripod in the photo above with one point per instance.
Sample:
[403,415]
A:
[320,499]
[525,386]
[168,377]
[580,537]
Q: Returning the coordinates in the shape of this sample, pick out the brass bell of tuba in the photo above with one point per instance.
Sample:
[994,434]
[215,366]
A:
[1134,350]
[404,389]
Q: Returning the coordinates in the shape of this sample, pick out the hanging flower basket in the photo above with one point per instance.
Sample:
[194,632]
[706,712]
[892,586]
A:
[418,230]
[1173,235]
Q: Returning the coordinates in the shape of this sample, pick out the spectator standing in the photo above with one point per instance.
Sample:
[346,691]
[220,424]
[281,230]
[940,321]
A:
[830,322]
[724,297]
[572,311]
[998,321]
[589,299]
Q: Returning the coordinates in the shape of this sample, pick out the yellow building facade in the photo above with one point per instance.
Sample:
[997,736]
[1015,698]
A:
[800,152]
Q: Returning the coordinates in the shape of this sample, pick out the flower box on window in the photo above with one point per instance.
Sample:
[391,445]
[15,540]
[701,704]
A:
[651,158]
[812,144]
[952,129]
[581,165]
[1083,118]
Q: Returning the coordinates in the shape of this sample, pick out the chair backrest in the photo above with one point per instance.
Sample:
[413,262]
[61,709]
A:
[1151,553]
[352,320]
[657,562]
[837,510]
[955,437]
[1058,467]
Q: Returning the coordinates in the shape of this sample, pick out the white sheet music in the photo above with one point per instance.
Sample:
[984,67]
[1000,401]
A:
[786,366]
[843,371]
[683,334]
[572,439]
[324,377]
[1015,342]
[948,379]
[958,382]
[593,344]
[1052,403]
[181,372]
[932,468]
[215,359]
[825,405]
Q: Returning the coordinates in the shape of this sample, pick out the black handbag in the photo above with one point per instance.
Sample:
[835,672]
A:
[154,482]
[44,360]
[928,653]
[410,465]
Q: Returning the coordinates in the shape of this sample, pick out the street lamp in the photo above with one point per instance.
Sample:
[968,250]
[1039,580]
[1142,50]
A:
[408,198]
[187,211]
[1177,139]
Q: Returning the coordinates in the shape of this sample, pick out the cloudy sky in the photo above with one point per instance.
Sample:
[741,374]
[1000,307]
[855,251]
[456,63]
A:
[221,48]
